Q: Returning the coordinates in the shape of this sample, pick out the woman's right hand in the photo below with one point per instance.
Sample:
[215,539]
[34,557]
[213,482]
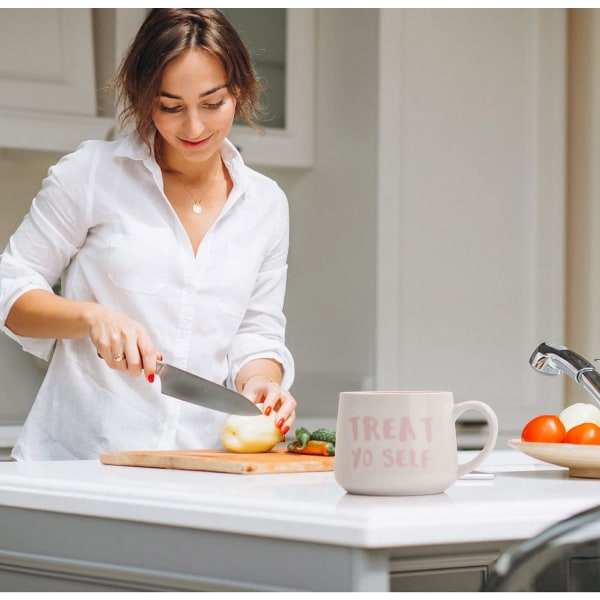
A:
[123,343]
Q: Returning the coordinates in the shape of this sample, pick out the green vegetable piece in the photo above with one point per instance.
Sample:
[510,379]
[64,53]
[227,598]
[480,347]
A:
[323,435]
[303,436]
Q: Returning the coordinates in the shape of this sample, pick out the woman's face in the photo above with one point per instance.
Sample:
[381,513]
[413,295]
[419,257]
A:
[194,111]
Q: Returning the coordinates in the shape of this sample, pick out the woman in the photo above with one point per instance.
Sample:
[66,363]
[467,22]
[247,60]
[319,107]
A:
[167,246]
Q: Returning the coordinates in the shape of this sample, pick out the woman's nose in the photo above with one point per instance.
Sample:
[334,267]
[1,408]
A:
[193,125]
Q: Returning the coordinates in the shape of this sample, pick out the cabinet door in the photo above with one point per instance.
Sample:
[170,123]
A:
[467,579]
[471,244]
[47,60]
[458,569]
[288,140]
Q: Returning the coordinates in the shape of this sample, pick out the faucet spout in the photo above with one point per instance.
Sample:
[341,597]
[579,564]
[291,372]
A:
[553,359]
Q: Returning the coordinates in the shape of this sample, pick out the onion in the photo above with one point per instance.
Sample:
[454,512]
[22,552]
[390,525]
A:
[250,434]
[578,413]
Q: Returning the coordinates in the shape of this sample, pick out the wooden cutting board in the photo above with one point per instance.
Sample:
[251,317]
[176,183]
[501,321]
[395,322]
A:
[277,460]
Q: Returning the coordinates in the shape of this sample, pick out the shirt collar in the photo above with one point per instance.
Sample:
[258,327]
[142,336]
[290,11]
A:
[133,147]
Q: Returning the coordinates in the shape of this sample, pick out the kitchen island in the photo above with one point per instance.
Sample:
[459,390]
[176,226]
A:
[82,525]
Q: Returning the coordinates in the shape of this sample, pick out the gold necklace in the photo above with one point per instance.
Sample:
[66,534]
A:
[196,202]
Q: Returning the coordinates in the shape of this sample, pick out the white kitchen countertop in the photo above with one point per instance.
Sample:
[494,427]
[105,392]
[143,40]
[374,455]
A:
[524,497]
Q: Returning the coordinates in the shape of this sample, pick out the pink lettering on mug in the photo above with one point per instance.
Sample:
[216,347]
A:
[403,428]
[388,428]
[361,458]
[370,428]
[406,430]
[354,424]
[411,434]
[404,457]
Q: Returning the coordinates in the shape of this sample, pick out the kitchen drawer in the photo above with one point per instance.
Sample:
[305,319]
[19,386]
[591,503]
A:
[465,579]
[460,568]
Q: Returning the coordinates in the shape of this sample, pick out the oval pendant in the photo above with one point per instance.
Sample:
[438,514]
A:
[197,208]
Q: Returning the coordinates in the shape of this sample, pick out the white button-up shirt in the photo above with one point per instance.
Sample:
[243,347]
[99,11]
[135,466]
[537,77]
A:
[102,221]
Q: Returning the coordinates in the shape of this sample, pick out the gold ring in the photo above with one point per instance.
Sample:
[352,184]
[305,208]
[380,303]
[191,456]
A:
[119,357]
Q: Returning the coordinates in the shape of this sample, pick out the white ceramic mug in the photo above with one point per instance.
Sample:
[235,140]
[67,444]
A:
[395,443]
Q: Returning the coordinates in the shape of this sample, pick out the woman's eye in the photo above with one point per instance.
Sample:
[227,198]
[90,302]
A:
[179,108]
[215,105]
[170,109]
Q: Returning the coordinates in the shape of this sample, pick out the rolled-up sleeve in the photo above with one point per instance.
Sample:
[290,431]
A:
[40,249]
[14,282]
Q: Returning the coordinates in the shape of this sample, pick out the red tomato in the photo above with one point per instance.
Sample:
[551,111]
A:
[584,433]
[548,429]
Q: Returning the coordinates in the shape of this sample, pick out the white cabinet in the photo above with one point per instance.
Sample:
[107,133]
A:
[290,144]
[47,79]
[53,62]
[471,203]
[47,60]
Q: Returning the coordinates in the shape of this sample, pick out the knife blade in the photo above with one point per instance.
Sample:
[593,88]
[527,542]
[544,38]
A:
[184,385]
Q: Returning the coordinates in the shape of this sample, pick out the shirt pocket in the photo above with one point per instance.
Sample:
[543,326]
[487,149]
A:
[236,278]
[141,258]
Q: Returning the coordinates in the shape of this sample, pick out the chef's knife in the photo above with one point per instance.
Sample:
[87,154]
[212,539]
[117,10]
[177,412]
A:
[197,390]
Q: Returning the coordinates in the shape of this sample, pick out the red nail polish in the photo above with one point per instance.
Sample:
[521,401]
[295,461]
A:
[268,410]
[160,357]
[280,423]
[285,429]
[151,378]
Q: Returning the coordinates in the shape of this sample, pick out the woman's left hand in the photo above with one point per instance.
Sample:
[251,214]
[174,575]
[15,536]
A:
[275,400]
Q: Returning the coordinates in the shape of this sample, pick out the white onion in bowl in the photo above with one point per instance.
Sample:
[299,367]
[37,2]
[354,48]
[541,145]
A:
[580,412]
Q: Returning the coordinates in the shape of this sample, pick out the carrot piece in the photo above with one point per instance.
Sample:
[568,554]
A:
[317,447]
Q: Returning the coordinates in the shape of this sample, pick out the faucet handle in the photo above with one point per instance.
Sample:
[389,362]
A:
[552,359]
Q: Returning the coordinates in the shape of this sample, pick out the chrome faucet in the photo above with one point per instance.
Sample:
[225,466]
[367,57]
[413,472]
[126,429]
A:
[553,359]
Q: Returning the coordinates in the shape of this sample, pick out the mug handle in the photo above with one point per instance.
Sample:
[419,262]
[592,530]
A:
[492,420]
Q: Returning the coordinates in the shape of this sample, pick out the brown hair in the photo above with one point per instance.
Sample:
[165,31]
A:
[165,35]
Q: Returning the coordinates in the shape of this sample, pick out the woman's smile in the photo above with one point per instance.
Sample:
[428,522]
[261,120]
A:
[195,143]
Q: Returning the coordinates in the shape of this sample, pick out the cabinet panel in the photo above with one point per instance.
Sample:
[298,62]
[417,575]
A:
[47,60]
[47,80]
[468,579]
[292,143]
[460,568]
[471,244]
